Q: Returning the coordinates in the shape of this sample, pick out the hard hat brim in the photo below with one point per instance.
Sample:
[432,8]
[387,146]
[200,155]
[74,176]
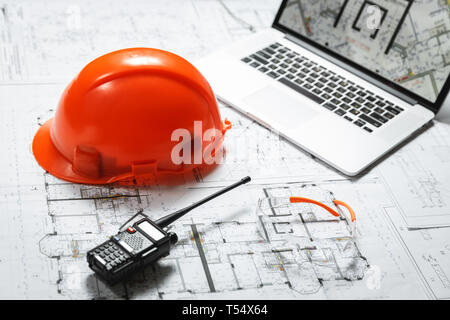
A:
[51,160]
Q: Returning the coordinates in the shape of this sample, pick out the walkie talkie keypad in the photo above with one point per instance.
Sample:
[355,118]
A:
[130,249]
[111,255]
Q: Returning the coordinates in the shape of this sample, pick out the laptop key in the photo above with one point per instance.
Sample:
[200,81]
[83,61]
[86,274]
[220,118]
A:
[345,106]
[346,100]
[378,117]
[392,110]
[379,110]
[370,120]
[308,86]
[275,45]
[328,90]
[326,96]
[335,101]
[269,51]
[246,59]
[259,59]
[369,105]
[340,112]
[368,129]
[319,85]
[273,74]
[365,110]
[388,115]
[359,123]
[264,55]
[255,64]
[299,81]
[362,93]
[263,69]
[348,118]
[355,112]
[356,105]
[329,106]
[332,85]
[301,90]
[317,91]
[334,79]
[350,95]
[290,76]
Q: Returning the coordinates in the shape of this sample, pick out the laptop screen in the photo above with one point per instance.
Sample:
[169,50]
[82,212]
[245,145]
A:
[406,42]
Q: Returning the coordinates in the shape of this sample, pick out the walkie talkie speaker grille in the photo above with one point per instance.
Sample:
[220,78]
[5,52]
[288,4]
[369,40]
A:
[135,240]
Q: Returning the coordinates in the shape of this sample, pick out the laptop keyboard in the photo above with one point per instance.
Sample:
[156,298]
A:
[333,92]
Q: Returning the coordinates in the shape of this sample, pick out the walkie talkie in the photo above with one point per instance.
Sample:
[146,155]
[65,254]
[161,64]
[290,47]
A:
[141,243]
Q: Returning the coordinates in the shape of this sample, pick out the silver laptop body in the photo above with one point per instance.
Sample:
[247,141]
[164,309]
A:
[347,81]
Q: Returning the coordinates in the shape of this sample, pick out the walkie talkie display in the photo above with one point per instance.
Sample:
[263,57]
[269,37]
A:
[141,243]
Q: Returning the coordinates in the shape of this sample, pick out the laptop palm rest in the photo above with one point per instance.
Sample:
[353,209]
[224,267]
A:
[277,107]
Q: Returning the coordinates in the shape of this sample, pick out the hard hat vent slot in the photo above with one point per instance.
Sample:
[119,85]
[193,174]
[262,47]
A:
[86,161]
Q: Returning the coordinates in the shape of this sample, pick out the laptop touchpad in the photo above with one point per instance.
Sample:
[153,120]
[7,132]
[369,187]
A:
[274,105]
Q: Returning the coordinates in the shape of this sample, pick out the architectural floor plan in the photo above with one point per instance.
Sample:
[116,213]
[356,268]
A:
[223,251]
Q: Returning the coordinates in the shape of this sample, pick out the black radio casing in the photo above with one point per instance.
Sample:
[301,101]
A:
[129,250]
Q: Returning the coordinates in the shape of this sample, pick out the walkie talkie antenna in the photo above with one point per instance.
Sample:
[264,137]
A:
[165,221]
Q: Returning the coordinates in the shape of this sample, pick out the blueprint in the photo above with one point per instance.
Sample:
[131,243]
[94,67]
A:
[223,251]
[418,176]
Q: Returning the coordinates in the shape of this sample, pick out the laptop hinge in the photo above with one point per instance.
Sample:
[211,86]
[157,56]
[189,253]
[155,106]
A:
[351,69]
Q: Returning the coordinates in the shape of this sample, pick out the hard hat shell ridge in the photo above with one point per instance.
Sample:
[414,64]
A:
[115,120]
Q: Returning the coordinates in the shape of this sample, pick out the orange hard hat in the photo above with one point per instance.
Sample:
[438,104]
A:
[115,120]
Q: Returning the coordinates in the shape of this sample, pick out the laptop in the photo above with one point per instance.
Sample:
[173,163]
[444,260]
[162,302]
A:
[345,80]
